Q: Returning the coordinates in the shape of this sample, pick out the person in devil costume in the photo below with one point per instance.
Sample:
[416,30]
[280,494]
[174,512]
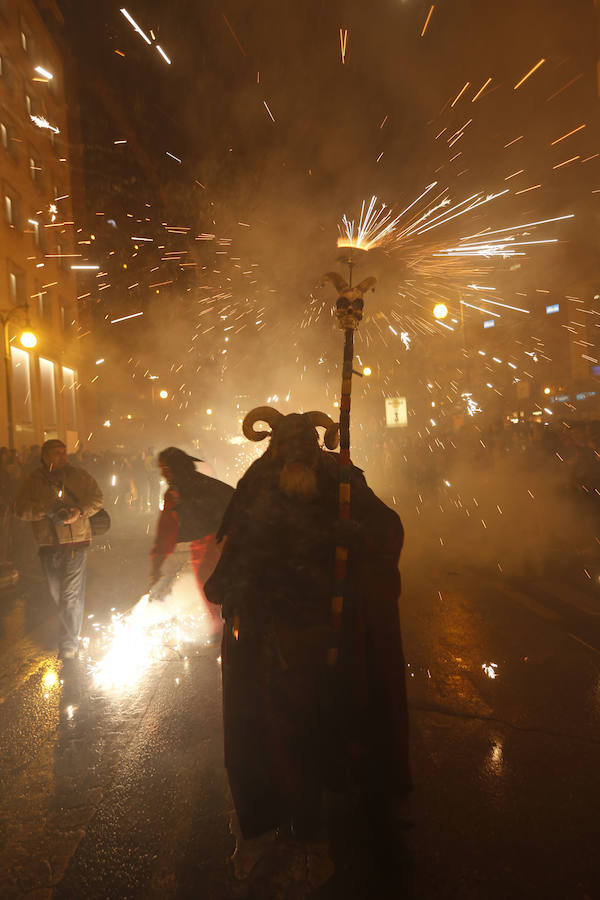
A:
[293,727]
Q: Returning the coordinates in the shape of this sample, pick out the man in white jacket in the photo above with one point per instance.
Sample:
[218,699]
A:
[59,499]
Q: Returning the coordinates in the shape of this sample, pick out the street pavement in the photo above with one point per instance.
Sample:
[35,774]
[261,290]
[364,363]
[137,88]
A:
[111,793]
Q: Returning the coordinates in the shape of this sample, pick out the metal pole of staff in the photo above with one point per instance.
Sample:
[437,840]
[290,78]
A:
[349,312]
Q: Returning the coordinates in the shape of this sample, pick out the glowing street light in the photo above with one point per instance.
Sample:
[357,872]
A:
[28,340]
[440,310]
[163,394]
[367,371]
[209,412]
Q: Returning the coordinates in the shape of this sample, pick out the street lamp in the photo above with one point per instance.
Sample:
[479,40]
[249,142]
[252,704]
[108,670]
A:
[29,340]
[440,310]
[163,394]
[366,371]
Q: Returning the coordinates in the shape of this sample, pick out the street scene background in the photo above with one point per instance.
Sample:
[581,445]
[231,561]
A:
[176,182]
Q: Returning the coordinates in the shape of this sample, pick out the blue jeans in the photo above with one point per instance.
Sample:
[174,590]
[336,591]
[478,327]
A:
[64,568]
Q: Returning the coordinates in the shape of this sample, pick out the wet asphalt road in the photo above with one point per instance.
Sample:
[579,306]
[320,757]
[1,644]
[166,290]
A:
[124,795]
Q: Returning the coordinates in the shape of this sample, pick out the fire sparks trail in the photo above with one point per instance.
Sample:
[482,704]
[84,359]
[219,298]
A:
[268,110]
[528,74]
[429,15]
[43,123]
[481,89]
[343,43]
[135,26]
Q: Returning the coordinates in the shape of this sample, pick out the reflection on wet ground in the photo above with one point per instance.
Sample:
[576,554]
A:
[120,782]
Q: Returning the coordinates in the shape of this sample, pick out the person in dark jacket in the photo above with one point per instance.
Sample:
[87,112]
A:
[59,499]
[292,726]
[193,507]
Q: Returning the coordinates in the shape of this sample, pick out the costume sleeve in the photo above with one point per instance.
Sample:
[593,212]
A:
[28,504]
[168,527]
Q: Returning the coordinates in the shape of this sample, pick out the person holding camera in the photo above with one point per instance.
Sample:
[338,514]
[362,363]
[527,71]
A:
[59,499]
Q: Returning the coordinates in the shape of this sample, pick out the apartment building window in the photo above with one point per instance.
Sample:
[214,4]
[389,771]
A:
[16,284]
[34,227]
[26,38]
[5,71]
[35,169]
[63,263]
[21,385]
[48,386]
[45,306]
[12,209]
[32,106]
[7,141]
[69,399]
[39,298]
[67,320]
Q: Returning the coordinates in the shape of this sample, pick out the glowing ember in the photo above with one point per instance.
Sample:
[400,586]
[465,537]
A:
[490,669]
[50,679]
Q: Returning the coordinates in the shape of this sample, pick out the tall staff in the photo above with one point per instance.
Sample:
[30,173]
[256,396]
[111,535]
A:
[349,312]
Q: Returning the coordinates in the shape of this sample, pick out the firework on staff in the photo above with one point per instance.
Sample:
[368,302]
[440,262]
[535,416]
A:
[433,267]
[374,225]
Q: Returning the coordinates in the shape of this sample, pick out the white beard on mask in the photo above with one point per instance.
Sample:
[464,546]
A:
[298,480]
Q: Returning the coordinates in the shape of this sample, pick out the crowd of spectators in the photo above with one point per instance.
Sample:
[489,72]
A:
[396,460]
[563,461]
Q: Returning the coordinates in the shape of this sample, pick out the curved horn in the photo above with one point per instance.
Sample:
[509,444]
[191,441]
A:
[332,429]
[337,280]
[260,414]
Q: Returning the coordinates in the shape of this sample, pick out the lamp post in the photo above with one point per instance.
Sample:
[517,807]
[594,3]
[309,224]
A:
[29,340]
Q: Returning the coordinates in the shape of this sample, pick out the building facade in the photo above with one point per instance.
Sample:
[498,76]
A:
[38,237]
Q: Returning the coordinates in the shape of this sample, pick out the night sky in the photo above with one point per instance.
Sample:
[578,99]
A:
[378,123]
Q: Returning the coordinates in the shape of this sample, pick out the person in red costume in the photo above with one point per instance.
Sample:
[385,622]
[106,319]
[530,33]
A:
[193,507]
